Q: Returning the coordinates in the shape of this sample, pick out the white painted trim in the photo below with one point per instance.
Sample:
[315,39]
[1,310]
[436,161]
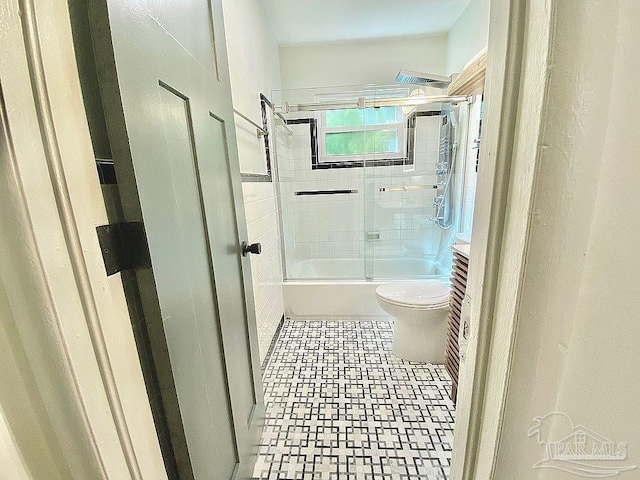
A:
[11,462]
[72,352]
[70,229]
[515,94]
[20,204]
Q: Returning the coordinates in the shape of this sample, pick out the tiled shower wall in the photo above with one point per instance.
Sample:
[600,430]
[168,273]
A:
[334,226]
[266,269]
[320,226]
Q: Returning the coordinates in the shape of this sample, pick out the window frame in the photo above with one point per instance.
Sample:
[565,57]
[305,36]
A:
[361,158]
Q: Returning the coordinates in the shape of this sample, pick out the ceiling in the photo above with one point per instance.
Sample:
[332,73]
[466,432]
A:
[324,21]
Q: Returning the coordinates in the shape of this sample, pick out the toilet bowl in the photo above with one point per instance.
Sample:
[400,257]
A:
[420,311]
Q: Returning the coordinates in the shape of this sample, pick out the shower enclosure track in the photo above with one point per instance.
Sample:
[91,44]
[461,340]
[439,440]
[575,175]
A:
[374,102]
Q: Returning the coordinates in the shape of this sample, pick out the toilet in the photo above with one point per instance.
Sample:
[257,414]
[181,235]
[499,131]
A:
[420,311]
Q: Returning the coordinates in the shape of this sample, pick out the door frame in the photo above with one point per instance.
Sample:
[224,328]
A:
[520,37]
[72,346]
[509,155]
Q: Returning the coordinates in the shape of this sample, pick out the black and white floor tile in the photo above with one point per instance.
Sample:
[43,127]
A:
[340,405]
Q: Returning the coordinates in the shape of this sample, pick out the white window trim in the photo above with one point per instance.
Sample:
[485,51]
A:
[323,130]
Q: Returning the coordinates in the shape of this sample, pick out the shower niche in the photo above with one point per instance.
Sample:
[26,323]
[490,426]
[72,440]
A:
[370,181]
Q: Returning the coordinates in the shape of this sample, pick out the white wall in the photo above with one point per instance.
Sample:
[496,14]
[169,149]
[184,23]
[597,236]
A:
[360,62]
[11,461]
[468,36]
[578,330]
[254,69]
[266,268]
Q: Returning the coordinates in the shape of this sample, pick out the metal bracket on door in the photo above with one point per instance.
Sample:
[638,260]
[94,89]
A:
[124,246]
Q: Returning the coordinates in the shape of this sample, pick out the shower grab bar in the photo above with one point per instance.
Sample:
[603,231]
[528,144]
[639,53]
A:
[303,193]
[407,188]
[261,132]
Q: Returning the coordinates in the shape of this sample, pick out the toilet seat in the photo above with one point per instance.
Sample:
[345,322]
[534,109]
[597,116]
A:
[422,294]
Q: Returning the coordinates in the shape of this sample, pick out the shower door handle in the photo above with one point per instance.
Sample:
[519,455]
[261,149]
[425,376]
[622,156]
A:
[255,248]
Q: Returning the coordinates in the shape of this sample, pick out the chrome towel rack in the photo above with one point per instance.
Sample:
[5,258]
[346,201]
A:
[261,132]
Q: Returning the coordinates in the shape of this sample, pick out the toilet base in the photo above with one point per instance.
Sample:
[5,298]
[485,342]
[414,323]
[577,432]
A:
[422,342]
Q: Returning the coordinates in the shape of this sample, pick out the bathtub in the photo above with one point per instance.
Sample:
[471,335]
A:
[336,288]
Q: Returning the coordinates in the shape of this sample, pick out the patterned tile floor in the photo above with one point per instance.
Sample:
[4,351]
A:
[340,405]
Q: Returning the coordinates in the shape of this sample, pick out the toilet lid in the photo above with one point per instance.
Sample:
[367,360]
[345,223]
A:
[414,293]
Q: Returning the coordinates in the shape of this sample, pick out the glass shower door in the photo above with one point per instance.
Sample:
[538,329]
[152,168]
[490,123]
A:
[321,186]
[358,184]
[401,240]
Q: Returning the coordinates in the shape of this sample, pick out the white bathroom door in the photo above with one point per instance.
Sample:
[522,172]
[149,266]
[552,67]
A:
[165,86]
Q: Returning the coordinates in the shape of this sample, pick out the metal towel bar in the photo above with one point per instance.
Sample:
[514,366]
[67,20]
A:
[261,132]
[407,188]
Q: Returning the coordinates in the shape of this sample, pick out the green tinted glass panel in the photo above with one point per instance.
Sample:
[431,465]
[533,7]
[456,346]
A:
[354,117]
[357,143]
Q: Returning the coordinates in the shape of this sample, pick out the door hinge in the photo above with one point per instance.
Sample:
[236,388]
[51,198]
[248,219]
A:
[124,246]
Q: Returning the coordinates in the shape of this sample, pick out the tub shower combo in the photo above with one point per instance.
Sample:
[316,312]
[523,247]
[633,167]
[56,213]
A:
[369,182]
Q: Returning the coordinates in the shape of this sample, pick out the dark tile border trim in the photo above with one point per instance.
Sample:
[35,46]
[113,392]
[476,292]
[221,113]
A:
[272,346]
[264,103]
[262,177]
[362,163]
[313,134]
[429,113]
[407,160]
[324,192]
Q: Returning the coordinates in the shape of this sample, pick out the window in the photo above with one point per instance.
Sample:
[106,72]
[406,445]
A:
[350,136]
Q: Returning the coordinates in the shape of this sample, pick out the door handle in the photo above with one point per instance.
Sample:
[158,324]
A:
[255,248]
